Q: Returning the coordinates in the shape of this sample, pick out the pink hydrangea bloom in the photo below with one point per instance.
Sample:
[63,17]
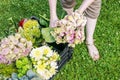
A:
[11,49]
[5,51]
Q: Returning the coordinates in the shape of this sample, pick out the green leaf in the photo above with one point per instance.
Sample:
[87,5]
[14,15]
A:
[44,21]
[62,15]
[46,35]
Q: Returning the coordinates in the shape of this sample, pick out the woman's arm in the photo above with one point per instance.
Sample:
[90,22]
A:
[53,13]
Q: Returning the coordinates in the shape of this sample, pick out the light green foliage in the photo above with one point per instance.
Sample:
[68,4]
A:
[46,35]
[7,70]
[23,65]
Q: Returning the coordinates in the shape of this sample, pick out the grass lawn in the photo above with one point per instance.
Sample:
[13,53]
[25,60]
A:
[81,66]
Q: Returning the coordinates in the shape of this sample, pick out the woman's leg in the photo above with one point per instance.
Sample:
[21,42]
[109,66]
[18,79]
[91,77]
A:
[53,14]
[90,28]
[92,13]
[69,11]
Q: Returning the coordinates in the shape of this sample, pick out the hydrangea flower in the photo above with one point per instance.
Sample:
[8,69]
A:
[70,29]
[14,47]
[44,61]
[30,30]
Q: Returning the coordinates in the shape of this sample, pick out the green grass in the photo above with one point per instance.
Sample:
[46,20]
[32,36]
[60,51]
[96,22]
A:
[81,66]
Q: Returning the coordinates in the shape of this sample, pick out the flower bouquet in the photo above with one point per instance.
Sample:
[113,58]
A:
[31,54]
[36,51]
[70,29]
[29,63]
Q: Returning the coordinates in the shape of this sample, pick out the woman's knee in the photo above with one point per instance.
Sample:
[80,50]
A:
[68,3]
[93,10]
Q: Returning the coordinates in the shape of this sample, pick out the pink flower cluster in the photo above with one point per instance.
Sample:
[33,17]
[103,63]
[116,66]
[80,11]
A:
[14,47]
[70,30]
